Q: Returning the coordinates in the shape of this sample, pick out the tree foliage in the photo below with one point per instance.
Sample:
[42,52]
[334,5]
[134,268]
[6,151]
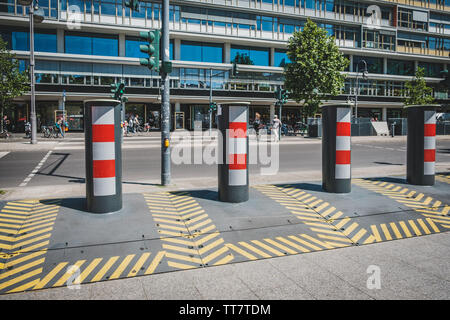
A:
[13,82]
[315,68]
[417,92]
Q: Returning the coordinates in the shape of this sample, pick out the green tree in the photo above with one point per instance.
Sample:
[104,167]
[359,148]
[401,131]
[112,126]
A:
[315,68]
[416,90]
[13,82]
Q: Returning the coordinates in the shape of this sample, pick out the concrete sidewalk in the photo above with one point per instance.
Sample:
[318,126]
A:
[416,268]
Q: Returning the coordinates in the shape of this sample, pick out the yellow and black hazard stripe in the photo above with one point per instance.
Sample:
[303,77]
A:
[443,177]
[403,229]
[100,269]
[330,224]
[281,246]
[425,205]
[189,236]
[25,230]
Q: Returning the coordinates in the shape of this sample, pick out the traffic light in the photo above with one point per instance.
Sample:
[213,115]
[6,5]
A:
[117,90]
[152,49]
[213,106]
[281,95]
[278,94]
[446,81]
[284,96]
[133,5]
[234,69]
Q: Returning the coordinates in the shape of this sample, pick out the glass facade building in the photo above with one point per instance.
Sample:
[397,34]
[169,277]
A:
[83,46]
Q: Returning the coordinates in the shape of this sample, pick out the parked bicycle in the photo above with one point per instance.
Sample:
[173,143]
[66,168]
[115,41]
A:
[5,134]
[50,132]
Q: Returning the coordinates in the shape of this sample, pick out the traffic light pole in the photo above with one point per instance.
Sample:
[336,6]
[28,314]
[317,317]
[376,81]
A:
[210,101]
[279,133]
[165,99]
[32,80]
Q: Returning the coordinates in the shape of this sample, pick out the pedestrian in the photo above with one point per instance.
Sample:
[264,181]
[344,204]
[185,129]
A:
[136,122]
[276,125]
[131,123]
[59,126]
[257,124]
[125,128]
[5,123]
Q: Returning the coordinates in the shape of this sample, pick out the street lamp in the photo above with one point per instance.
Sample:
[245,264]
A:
[365,74]
[36,15]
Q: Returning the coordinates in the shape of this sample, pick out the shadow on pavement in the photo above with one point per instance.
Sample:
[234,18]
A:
[388,163]
[440,150]
[304,186]
[388,179]
[71,203]
[204,194]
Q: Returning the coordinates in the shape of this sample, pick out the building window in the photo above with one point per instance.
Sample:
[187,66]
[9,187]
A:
[132,48]
[432,69]
[20,40]
[400,67]
[201,52]
[250,55]
[281,58]
[374,65]
[379,39]
[79,43]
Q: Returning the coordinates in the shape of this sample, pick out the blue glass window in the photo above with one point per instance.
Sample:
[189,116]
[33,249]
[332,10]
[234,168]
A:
[281,58]
[91,45]
[132,48]
[20,40]
[202,52]
[77,44]
[108,7]
[250,55]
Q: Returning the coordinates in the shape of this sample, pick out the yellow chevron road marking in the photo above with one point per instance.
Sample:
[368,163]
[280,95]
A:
[294,245]
[151,268]
[436,211]
[20,278]
[197,235]
[105,269]
[42,283]
[26,227]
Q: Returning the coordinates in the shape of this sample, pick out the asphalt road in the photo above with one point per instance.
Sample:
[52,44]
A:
[67,166]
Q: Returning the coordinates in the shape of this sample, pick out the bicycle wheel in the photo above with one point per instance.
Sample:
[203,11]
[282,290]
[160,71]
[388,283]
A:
[46,133]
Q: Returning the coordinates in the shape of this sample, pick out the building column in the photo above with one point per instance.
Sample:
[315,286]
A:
[121,44]
[350,67]
[60,40]
[227,50]
[272,112]
[416,65]
[384,114]
[272,57]
[385,66]
[176,49]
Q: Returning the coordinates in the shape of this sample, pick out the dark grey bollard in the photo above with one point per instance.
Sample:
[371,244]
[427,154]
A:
[421,145]
[233,152]
[103,155]
[336,148]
